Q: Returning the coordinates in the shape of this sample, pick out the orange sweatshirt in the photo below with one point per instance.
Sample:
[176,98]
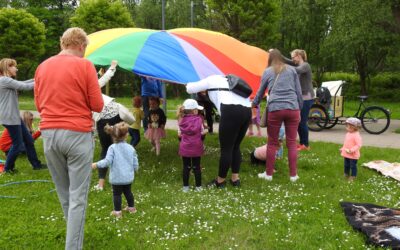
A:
[66,92]
[6,141]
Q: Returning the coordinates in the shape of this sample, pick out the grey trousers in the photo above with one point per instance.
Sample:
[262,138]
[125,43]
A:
[69,156]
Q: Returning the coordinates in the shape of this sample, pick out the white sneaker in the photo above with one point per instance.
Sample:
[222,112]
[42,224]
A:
[264,176]
[198,189]
[98,188]
[294,178]
[185,189]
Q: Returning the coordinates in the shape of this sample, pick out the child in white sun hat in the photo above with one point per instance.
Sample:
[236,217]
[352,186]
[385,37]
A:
[351,147]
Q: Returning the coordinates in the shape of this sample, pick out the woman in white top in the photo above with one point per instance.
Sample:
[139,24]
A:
[235,112]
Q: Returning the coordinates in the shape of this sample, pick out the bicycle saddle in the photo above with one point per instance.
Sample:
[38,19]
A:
[363,97]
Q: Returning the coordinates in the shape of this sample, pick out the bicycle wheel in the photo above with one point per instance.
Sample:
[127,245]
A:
[317,118]
[375,120]
[332,123]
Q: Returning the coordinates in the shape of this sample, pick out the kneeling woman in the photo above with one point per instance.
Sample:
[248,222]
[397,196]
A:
[235,112]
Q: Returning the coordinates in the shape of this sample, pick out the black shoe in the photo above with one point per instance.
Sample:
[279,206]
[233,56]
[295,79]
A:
[11,171]
[42,166]
[235,183]
[215,183]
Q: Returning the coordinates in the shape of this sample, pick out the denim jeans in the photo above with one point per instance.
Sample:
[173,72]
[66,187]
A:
[21,141]
[135,134]
[303,128]
[350,164]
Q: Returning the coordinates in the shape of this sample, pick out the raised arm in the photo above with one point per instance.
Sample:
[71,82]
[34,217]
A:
[18,85]
[109,74]
[195,87]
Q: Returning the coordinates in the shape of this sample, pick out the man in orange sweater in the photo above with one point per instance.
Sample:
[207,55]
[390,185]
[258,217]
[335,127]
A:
[66,92]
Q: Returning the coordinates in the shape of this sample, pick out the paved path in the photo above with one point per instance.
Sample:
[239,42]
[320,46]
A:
[388,139]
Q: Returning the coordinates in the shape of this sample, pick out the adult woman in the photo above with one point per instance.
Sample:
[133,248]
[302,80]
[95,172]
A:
[109,115]
[235,112]
[10,115]
[284,104]
[303,69]
[66,93]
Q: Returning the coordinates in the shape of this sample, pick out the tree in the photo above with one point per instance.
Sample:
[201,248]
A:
[360,38]
[95,15]
[304,25]
[251,21]
[22,38]
[149,14]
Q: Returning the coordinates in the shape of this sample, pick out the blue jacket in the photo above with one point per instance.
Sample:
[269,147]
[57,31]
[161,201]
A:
[151,87]
[123,162]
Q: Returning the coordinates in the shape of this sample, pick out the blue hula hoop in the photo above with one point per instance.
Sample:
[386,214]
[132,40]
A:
[22,182]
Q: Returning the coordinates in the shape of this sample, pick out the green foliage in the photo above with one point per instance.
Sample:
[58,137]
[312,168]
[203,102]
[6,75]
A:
[355,38]
[259,215]
[254,22]
[384,86]
[95,15]
[149,14]
[22,38]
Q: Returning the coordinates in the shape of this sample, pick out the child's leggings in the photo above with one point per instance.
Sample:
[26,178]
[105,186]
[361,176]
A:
[156,144]
[350,164]
[117,193]
[190,163]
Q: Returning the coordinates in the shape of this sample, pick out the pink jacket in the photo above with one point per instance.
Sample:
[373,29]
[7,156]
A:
[191,144]
[352,142]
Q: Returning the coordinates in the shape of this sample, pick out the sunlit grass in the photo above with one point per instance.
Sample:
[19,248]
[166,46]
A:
[259,215]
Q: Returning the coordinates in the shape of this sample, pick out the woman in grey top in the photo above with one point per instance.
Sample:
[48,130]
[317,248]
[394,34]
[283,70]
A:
[284,104]
[10,115]
[303,69]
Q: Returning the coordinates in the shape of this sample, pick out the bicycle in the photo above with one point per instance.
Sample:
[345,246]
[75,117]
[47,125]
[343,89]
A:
[374,119]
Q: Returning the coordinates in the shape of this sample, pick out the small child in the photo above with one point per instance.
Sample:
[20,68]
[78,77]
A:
[134,130]
[123,162]
[191,145]
[255,119]
[156,123]
[351,148]
[279,153]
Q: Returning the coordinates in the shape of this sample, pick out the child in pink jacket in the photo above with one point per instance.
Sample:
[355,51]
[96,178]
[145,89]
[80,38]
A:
[351,148]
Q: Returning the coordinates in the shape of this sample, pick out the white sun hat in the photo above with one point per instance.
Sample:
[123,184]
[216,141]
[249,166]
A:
[191,104]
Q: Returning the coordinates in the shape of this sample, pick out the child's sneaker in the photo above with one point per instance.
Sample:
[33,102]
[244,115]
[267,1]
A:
[98,188]
[185,189]
[294,178]
[116,214]
[264,176]
[259,134]
[351,178]
[303,147]
[198,189]
[131,210]
[250,134]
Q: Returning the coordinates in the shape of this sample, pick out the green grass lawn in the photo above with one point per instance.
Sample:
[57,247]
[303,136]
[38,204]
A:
[259,215]
[26,103]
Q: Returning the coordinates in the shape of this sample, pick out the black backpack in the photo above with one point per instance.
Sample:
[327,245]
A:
[324,96]
[237,85]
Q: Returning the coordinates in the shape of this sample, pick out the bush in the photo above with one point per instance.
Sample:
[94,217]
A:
[384,86]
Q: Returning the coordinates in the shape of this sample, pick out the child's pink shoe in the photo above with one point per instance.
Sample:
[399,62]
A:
[131,210]
[116,214]
[259,134]
[250,134]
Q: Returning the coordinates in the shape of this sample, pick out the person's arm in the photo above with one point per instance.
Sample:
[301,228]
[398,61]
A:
[108,75]
[288,61]
[357,142]
[195,87]
[18,85]
[298,90]
[95,99]
[303,68]
[266,77]
[108,160]
[162,118]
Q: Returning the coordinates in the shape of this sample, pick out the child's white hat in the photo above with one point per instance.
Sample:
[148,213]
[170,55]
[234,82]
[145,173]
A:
[191,104]
[353,121]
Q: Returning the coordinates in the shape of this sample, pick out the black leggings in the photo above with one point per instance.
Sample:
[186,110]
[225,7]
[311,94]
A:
[105,140]
[190,163]
[235,120]
[117,193]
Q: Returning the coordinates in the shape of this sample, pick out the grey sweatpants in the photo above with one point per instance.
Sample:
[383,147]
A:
[69,155]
